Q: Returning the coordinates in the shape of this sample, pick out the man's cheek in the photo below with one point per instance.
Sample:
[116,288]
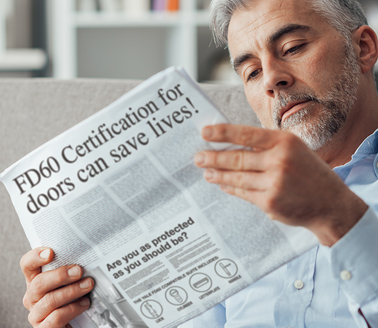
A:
[265,117]
[262,111]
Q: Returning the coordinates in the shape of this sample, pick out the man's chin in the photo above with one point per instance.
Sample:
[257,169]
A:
[312,135]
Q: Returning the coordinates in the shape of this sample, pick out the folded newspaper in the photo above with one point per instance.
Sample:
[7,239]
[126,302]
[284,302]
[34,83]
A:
[119,194]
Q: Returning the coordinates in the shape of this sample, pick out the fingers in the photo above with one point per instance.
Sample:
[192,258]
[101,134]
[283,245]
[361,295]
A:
[57,305]
[50,280]
[238,160]
[53,297]
[61,316]
[238,179]
[33,260]
[244,135]
[255,197]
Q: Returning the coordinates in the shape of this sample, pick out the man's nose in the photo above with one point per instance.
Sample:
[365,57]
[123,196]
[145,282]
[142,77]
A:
[277,77]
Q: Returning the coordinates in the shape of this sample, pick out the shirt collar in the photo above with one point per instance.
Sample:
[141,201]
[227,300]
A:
[368,146]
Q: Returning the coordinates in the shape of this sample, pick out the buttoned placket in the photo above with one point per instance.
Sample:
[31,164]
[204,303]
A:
[297,293]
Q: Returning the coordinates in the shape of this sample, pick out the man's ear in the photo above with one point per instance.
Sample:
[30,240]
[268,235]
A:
[366,41]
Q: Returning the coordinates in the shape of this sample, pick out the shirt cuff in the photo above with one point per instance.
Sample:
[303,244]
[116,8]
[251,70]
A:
[354,260]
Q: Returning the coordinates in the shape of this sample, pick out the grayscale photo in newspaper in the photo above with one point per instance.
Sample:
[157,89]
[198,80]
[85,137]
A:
[119,194]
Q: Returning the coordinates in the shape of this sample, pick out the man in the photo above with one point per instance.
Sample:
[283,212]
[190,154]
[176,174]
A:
[306,66]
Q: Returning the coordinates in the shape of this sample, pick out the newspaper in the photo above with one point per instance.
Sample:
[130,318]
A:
[119,194]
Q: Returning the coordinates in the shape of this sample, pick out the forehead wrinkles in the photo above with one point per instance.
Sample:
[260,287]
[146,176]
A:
[245,35]
[266,17]
[247,25]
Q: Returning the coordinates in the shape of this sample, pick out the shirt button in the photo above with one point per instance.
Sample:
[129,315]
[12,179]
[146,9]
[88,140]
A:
[298,284]
[345,275]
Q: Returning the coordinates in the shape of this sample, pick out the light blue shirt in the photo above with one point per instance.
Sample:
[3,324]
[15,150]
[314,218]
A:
[325,287]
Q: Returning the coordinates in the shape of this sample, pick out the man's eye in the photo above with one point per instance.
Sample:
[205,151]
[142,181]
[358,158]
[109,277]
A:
[293,50]
[254,74]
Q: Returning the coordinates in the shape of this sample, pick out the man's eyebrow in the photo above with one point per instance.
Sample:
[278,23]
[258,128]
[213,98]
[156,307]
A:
[291,28]
[238,61]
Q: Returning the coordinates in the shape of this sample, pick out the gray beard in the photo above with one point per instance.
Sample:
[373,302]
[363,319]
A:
[336,103]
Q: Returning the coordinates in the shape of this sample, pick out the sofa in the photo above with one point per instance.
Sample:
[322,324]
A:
[34,111]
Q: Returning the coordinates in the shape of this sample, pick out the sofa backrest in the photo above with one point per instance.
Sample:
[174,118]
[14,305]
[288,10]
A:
[34,111]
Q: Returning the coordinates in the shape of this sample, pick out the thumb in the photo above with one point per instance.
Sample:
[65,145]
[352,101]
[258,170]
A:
[33,260]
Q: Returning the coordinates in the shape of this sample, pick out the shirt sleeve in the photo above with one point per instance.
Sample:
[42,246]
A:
[354,263]
[213,318]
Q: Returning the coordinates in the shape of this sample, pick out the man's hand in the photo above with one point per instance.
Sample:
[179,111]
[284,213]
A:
[283,177]
[53,297]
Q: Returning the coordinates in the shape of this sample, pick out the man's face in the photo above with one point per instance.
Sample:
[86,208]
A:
[298,72]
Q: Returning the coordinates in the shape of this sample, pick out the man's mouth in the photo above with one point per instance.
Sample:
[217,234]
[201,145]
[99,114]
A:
[292,108]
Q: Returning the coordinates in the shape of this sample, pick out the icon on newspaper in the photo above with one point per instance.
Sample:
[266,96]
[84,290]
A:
[151,309]
[226,268]
[200,282]
[176,295]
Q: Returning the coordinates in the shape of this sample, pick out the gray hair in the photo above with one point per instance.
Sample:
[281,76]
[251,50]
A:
[344,15]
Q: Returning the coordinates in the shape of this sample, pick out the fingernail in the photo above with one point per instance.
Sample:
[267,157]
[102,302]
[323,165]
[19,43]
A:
[45,254]
[85,284]
[225,188]
[74,271]
[84,302]
[207,132]
[209,174]
[199,158]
